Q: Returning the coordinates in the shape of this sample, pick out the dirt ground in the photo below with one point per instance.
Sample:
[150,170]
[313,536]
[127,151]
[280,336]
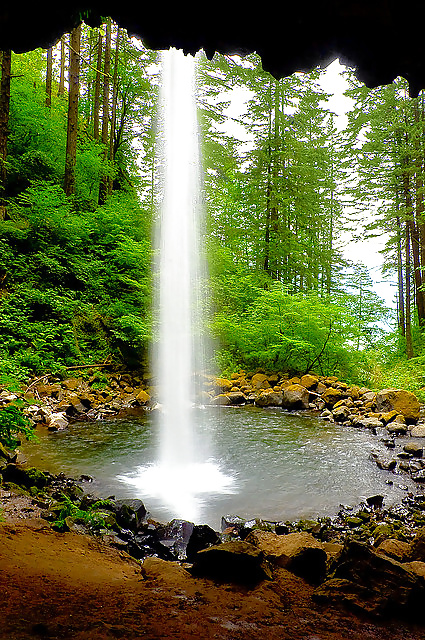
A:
[69,586]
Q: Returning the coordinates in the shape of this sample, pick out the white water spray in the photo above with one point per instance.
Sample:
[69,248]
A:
[183,473]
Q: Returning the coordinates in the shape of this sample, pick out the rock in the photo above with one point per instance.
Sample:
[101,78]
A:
[269,398]
[202,537]
[395,549]
[236,561]
[168,572]
[331,396]
[233,523]
[57,422]
[308,381]
[388,416]
[361,422]
[223,385]
[373,583]
[295,396]
[414,449]
[386,464]
[416,567]
[142,397]
[418,431]
[404,402]
[237,397]
[417,546]
[24,476]
[260,381]
[376,502]
[175,537]
[300,553]
[222,400]
[396,428]
[129,512]
[341,413]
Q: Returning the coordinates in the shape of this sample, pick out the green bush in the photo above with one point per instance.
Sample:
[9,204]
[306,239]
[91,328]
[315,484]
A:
[13,425]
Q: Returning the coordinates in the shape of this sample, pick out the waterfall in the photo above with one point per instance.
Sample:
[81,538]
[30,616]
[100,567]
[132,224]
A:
[185,469]
[179,263]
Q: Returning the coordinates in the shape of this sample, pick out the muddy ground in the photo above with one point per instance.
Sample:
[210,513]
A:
[70,586]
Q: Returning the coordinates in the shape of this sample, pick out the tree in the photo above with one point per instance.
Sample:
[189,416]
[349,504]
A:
[72,126]
[6,58]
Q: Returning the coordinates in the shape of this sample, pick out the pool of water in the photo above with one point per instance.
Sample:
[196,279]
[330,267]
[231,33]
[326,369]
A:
[266,463]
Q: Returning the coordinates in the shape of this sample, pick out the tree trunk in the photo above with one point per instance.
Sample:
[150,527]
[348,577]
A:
[400,305]
[96,99]
[409,342]
[103,186]
[49,68]
[61,88]
[6,63]
[114,108]
[72,128]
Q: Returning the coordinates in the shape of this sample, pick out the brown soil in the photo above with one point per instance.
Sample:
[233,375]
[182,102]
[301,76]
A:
[69,586]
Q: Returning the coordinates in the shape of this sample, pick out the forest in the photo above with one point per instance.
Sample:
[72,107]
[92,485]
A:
[79,200]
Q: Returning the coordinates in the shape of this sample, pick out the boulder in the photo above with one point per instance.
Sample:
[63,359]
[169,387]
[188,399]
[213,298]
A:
[236,397]
[142,397]
[202,537]
[308,381]
[57,421]
[404,402]
[221,400]
[295,396]
[373,583]
[418,431]
[332,395]
[341,413]
[417,546]
[260,381]
[395,549]
[269,398]
[416,567]
[300,553]
[223,384]
[414,449]
[236,561]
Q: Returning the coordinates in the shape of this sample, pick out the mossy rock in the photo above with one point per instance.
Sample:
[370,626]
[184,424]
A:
[24,476]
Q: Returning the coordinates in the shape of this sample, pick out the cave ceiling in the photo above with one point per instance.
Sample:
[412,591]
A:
[383,39]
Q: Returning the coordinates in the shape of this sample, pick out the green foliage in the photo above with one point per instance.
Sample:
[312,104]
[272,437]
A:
[13,426]
[94,518]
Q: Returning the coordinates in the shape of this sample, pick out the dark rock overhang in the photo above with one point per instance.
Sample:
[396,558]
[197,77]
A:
[381,38]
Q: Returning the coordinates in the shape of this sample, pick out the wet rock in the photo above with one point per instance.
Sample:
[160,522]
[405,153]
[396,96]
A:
[175,537]
[388,417]
[232,524]
[142,397]
[376,502]
[387,464]
[295,396]
[404,402]
[414,449]
[202,537]
[373,583]
[237,561]
[24,477]
[395,549]
[418,431]
[57,422]
[396,428]
[300,553]
[221,400]
[269,398]
[236,397]
[341,413]
[326,415]
[130,513]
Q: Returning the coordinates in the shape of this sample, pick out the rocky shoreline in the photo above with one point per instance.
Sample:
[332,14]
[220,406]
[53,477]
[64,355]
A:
[365,556]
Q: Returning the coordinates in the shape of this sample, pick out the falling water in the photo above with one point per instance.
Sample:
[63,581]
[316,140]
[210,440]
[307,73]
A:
[185,469]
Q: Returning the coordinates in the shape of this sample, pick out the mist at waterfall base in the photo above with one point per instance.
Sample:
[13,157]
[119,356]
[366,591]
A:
[184,471]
